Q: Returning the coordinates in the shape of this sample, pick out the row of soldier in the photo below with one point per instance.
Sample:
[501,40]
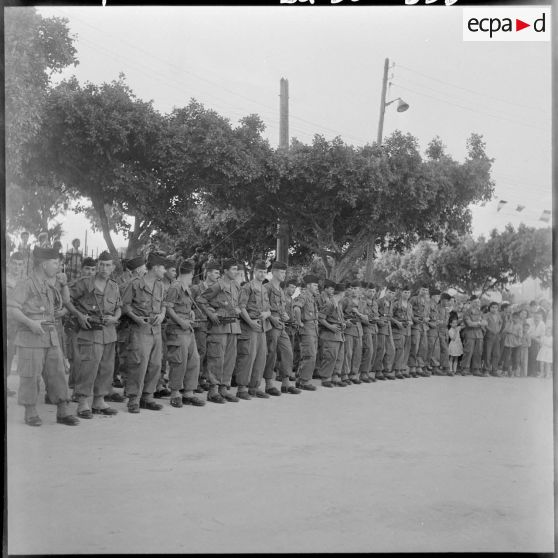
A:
[225,332]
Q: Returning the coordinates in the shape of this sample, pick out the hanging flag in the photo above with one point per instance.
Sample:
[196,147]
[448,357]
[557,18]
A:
[520,208]
[501,204]
[545,216]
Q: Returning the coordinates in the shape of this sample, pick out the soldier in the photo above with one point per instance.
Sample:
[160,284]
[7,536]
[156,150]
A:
[432,333]
[95,301]
[373,317]
[306,316]
[183,356]
[353,332]
[473,338]
[492,339]
[212,273]
[142,302]
[32,306]
[385,351]
[278,342]
[367,347]
[252,342]
[220,303]
[330,318]
[15,273]
[419,304]
[444,311]
[401,331]
[292,328]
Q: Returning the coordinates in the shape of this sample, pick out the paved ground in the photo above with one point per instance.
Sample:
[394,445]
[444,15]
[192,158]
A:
[431,464]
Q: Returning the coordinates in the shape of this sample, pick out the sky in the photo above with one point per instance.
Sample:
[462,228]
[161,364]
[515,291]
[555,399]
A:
[232,58]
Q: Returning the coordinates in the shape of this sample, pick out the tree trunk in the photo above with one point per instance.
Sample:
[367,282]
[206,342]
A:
[99,207]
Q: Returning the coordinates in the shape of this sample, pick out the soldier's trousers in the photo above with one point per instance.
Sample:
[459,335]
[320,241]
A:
[418,348]
[472,353]
[444,351]
[331,361]
[33,362]
[221,358]
[143,363]
[385,353]
[491,351]
[367,352]
[308,354]
[402,344]
[278,342]
[432,337]
[164,359]
[184,361]
[250,358]
[73,357]
[93,376]
[353,355]
[122,345]
[201,344]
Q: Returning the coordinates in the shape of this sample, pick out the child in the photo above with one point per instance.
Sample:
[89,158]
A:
[545,354]
[524,350]
[455,347]
[492,339]
[512,341]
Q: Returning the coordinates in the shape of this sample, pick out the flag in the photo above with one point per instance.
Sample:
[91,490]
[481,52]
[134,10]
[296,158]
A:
[501,204]
[520,208]
[545,216]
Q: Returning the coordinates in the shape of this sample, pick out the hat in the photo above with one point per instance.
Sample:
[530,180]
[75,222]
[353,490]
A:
[307,279]
[434,292]
[88,262]
[105,256]
[356,284]
[156,259]
[41,254]
[405,288]
[291,281]
[228,263]
[329,283]
[212,265]
[170,262]
[260,264]
[391,288]
[279,265]
[340,287]
[445,296]
[17,256]
[371,286]
[504,305]
[134,263]
[187,266]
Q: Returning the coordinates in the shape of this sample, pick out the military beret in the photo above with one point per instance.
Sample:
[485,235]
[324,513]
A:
[504,305]
[391,288]
[170,262]
[434,292]
[424,286]
[329,283]
[445,296]
[405,288]
[41,254]
[212,265]
[279,265]
[228,263]
[371,286]
[340,287]
[292,281]
[260,264]
[156,259]
[187,266]
[134,263]
[105,256]
[356,283]
[307,279]
[17,256]
[88,262]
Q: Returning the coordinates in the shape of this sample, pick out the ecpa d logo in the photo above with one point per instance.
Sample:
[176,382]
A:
[507,24]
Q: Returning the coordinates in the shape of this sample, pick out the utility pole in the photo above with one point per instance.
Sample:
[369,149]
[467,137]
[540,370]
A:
[282,252]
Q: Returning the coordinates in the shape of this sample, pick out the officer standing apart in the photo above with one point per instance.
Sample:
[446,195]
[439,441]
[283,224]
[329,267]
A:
[220,303]
[95,301]
[142,302]
[38,347]
[306,316]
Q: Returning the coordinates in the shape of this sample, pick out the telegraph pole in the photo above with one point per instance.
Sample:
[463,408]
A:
[282,252]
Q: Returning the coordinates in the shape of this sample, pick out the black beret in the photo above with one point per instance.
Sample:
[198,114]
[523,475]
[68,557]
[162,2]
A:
[279,265]
[371,286]
[329,283]
[291,281]
[41,254]
[445,296]
[390,288]
[88,262]
[356,283]
[230,262]
[170,262]
[405,288]
[434,292]
[187,266]
[260,264]
[209,266]
[156,259]
[134,263]
[307,279]
[105,256]
[340,287]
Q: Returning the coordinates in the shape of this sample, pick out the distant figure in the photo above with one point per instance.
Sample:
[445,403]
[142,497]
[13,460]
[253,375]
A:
[43,240]
[74,259]
[24,248]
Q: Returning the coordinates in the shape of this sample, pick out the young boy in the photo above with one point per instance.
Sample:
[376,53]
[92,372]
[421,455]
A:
[513,331]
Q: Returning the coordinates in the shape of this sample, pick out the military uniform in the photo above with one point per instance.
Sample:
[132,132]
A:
[432,334]
[385,351]
[402,336]
[332,343]
[95,347]
[278,342]
[164,354]
[473,340]
[200,327]
[367,344]
[417,353]
[353,339]
[292,332]
[308,335]
[252,345]
[145,345]
[222,298]
[492,341]
[373,317]
[182,352]
[443,321]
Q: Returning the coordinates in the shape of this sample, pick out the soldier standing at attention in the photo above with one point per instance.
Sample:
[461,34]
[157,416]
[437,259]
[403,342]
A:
[292,330]
[367,347]
[252,343]
[220,302]
[353,333]
[32,307]
[278,341]
[306,316]
[401,331]
[183,356]
[142,302]
[212,273]
[443,321]
[432,333]
[95,301]
[419,304]
[385,348]
[373,318]
[473,336]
